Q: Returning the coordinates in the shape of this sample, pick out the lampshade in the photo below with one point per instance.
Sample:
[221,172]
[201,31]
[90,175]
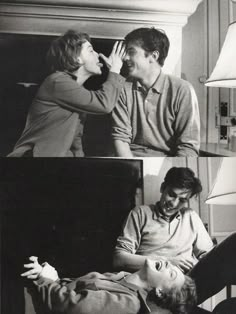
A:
[224,187]
[224,73]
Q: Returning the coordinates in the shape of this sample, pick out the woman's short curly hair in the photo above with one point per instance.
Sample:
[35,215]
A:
[64,51]
[178,301]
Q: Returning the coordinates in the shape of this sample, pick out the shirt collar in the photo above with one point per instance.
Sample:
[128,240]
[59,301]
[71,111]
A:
[158,85]
[141,293]
[158,215]
[72,75]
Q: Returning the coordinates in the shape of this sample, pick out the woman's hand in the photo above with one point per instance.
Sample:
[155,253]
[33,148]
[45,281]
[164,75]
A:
[35,268]
[115,61]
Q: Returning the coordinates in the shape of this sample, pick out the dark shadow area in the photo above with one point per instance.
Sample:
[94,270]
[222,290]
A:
[67,212]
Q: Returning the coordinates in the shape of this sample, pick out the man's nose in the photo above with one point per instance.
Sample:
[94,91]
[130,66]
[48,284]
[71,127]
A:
[174,202]
[126,57]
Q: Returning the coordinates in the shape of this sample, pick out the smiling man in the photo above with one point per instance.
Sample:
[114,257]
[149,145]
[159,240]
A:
[169,230]
[156,114]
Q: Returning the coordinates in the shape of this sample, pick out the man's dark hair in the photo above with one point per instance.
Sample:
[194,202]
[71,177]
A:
[182,178]
[64,51]
[177,300]
[150,39]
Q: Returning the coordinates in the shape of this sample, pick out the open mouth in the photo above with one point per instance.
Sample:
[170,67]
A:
[158,265]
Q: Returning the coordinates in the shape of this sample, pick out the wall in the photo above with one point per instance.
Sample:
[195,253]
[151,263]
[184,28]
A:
[101,19]
[203,37]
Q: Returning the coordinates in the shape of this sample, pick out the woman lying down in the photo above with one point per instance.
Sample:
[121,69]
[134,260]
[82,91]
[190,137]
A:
[155,285]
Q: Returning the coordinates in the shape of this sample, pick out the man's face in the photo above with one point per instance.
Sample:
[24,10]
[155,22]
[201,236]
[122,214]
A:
[162,275]
[173,200]
[137,60]
[89,59]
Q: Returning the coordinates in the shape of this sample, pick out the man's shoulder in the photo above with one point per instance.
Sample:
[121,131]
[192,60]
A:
[177,81]
[130,83]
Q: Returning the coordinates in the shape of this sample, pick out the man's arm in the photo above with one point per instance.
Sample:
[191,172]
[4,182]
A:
[187,124]
[122,149]
[121,127]
[203,243]
[132,262]
[125,257]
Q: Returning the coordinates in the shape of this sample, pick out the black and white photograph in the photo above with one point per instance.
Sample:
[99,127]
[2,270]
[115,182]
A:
[118,156]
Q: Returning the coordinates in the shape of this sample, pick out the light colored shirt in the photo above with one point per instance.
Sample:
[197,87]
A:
[164,119]
[93,293]
[147,233]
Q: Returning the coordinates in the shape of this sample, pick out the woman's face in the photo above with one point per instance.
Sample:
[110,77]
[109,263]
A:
[163,275]
[89,59]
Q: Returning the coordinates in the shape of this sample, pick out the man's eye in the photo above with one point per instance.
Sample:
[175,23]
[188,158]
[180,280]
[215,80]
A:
[171,194]
[131,52]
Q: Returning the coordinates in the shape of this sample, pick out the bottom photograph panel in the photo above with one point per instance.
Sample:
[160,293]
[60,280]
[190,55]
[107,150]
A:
[98,235]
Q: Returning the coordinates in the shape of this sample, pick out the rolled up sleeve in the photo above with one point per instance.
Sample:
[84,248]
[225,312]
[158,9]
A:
[130,237]
[187,124]
[121,123]
[203,242]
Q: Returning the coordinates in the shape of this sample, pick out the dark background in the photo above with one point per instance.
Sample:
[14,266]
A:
[23,59]
[67,212]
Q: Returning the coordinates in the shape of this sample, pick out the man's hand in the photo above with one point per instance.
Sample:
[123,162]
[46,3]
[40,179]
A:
[115,61]
[183,263]
[35,268]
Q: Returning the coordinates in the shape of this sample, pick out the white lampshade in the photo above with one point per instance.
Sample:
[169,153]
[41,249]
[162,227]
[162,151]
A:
[224,187]
[224,73]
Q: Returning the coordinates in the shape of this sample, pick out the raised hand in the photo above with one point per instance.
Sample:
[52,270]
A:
[115,61]
[35,268]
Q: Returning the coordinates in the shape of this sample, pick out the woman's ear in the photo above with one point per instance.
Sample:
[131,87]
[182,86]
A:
[79,61]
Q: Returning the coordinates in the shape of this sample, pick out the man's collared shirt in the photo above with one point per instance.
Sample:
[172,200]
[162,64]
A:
[164,119]
[147,233]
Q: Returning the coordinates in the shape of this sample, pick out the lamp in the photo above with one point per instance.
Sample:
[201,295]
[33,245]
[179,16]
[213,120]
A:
[224,188]
[224,73]
[224,191]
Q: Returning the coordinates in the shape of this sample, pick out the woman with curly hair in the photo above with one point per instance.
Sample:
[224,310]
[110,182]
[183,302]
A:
[156,286]
[55,121]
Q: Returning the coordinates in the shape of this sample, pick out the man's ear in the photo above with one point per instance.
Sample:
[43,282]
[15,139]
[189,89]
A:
[162,187]
[155,55]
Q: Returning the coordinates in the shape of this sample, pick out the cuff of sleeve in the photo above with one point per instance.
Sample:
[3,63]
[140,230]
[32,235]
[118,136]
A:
[116,78]
[48,274]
